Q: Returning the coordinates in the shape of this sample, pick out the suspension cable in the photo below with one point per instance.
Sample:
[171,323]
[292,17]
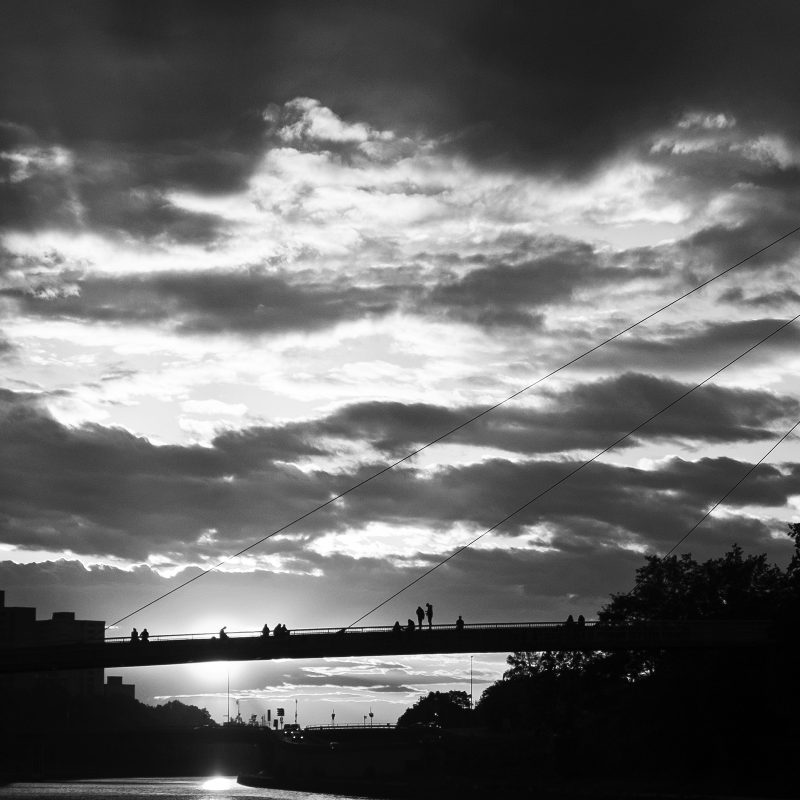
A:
[456,428]
[730,491]
[577,469]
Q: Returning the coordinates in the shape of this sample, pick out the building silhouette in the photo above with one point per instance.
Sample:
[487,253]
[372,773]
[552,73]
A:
[116,688]
[19,626]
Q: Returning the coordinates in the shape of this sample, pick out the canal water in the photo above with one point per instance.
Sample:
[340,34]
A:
[143,788]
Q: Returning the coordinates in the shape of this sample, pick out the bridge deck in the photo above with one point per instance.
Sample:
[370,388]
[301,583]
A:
[321,643]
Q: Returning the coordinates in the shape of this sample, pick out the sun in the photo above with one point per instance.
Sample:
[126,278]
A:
[211,673]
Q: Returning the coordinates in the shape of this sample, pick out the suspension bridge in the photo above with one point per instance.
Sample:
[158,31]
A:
[377,640]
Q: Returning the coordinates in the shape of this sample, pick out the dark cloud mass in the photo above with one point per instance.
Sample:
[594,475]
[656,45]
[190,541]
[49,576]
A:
[517,291]
[117,193]
[498,295]
[512,295]
[693,348]
[246,301]
[97,490]
[591,415]
[556,85]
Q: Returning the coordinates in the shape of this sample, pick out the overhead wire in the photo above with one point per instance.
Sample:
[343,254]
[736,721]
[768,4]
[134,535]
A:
[730,491]
[577,469]
[456,428]
[718,502]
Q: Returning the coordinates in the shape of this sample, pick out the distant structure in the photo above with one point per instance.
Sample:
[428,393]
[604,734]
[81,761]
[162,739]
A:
[16,624]
[19,626]
[116,688]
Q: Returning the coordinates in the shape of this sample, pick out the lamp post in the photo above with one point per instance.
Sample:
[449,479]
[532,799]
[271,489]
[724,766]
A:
[470,682]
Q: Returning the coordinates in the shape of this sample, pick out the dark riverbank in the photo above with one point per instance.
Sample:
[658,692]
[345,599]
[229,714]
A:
[464,765]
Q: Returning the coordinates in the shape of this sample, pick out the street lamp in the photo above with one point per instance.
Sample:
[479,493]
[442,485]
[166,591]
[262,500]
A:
[470,682]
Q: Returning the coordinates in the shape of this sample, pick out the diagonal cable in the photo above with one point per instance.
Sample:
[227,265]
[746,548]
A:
[574,471]
[458,427]
[730,491]
[719,502]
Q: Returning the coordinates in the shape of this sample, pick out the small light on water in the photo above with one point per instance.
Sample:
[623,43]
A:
[219,784]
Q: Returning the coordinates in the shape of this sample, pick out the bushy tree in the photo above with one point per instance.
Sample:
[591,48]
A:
[174,714]
[446,709]
[627,708]
[734,586]
[549,662]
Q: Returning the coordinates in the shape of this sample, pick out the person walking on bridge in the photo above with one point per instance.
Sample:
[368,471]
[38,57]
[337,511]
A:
[134,635]
[429,615]
[420,616]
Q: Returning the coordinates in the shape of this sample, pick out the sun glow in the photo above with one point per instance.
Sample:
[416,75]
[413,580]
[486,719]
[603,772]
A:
[218,784]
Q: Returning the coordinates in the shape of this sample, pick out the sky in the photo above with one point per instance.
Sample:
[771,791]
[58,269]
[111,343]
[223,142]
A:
[252,253]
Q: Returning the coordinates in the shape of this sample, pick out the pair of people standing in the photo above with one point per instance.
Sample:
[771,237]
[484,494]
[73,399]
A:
[421,615]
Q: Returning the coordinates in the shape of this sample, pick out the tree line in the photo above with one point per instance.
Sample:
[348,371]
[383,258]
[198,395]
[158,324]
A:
[720,715]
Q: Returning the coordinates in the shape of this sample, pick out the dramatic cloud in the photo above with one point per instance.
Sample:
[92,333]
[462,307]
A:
[102,492]
[209,302]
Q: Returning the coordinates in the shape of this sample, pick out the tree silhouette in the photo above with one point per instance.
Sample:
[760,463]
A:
[641,711]
[445,709]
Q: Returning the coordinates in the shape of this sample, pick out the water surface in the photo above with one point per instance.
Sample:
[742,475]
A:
[224,788]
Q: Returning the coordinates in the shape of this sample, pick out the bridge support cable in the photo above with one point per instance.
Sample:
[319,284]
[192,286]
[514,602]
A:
[590,460]
[730,491]
[751,469]
[463,424]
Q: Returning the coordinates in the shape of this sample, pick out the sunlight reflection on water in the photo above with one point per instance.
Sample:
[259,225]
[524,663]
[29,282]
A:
[205,788]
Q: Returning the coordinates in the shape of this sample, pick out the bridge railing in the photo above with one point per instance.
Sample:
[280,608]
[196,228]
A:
[477,637]
[338,630]
[657,628]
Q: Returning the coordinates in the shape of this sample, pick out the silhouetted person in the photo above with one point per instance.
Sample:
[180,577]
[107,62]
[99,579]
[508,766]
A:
[222,634]
[420,616]
[581,620]
[429,614]
[396,627]
[265,630]
[134,635]
[570,621]
[144,636]
[410,626]
[459,623]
